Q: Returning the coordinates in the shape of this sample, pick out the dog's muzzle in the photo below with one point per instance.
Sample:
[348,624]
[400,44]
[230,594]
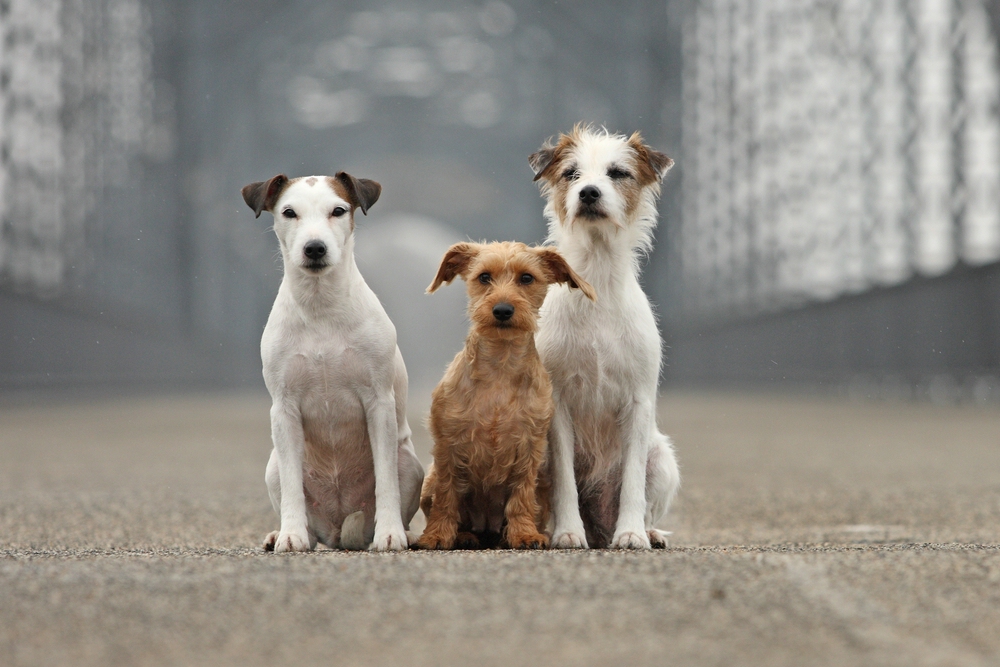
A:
[315,252]
[590,202]
[589,194]
[502,312]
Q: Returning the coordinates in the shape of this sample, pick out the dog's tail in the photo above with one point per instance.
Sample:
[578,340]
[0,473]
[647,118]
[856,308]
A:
[352,532]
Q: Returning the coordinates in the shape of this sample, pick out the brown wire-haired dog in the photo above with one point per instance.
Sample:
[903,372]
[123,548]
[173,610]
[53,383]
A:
[490,414]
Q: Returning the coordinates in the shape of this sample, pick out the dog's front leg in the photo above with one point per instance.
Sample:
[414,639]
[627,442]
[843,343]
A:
[381,417]
[636,423]
[442,522]
[568,532]
[289,442]
[520,512]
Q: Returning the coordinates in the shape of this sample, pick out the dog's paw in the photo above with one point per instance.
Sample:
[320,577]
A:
[269,541]
[528,541]
[630,540]
[658,538]
[389,540]
[433,542]
[569,540]
[288,542]
[466,541]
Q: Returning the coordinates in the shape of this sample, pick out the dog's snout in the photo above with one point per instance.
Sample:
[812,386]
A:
[315,250]
[503,311]
[589,194]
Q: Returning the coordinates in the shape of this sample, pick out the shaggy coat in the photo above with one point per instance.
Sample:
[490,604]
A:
[614,473]
[490,415]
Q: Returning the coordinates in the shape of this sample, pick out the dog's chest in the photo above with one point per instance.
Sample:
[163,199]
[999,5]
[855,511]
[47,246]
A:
[593,360]
[501,428]
[324,372]
[487,423]
[604,353]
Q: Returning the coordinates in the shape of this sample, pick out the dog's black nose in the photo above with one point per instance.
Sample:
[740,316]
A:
[589,194]
[503,311]
[315,250]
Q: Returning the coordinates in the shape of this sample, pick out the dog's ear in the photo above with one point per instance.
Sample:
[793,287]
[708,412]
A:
[660,163]
[455,263]
[652,163]
[543,160]
[361,192]
[560,271]
[263,195]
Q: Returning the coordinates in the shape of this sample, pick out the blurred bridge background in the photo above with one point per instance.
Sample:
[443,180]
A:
[832,226]
[841,219]
[833,221]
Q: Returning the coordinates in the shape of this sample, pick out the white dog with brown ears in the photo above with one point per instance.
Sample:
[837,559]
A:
[343,471]
[614,473]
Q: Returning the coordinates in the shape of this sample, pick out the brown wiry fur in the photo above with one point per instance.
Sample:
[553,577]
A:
[490,414]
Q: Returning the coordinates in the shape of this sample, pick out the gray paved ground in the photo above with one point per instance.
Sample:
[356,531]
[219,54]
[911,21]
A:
[807,532]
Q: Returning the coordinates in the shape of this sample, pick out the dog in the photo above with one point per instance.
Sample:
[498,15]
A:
[490,414]
[343,471]
[614,474]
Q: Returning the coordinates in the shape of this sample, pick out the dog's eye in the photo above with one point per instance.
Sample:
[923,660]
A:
[617,174]
[339,211]
[484,278]
[527,278]
[571,174]
[289,213]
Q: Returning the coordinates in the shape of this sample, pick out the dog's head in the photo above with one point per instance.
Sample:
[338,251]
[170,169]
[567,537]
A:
[507,282]
[592,177]
[313,216]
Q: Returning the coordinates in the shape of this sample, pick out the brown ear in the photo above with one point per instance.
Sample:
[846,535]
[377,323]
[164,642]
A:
[455,263]
[541,161]
[561,272]
[263,195]
[660,163]
[654,163]
[362,192]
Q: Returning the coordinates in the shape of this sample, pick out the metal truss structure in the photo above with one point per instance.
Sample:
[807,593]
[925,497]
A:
[78,108]
[833,146]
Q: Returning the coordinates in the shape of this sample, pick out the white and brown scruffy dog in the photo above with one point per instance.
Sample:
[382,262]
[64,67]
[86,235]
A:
[614,473]
[343,471]
[490,414]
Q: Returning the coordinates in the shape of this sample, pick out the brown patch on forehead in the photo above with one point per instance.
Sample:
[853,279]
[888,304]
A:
[338,187]
[312,180]
[341,191]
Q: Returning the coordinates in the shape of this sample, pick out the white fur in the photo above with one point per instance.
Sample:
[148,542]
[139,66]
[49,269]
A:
[335,374]
[604,357]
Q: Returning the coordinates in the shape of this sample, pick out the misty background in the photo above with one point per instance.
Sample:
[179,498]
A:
[833,221]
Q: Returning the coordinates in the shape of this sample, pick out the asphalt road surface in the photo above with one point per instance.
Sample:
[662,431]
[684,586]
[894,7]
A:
[807,532]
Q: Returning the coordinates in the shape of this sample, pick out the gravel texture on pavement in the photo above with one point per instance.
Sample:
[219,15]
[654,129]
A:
[807,531]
